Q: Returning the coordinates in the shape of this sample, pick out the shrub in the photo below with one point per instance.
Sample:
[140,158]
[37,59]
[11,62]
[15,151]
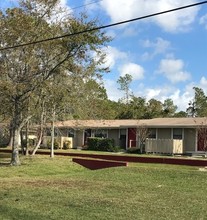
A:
[133,150]
[100,144]
[115,149]
[56,144]
[66,145]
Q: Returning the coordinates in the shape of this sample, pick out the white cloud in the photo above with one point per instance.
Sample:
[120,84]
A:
[203,21]
[181,99]
[173,70]
[113,55]
[135,70]
[159,46]
[203,81]
[129,32]
[203,84]
[171,22]
[112,90]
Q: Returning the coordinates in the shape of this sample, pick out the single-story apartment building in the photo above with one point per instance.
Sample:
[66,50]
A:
[164,135]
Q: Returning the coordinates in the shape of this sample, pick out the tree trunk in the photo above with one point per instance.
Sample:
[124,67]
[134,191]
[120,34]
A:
[10,135]
[27,140]
[22,143]
[17,124]
[15,161]
[52,132]
[39,141]
[52,139]
[40,136]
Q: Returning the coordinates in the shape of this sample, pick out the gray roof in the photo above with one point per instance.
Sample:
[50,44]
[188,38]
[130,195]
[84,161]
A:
[153,123]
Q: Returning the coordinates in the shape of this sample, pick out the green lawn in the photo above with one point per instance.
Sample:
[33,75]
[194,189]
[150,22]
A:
[45,188]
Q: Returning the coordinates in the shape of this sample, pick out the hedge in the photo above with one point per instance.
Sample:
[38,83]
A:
[101,144]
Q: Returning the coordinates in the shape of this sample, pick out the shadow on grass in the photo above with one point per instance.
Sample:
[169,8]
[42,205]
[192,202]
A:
[5,164]
[5,159]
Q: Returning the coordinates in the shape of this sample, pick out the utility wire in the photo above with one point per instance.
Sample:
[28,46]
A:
[90,3]
[80,6]
[103,27]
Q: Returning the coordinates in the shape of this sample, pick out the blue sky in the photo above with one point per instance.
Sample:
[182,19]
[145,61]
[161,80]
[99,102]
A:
[166,55]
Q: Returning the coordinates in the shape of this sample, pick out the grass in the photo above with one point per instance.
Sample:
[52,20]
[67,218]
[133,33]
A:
[45,188]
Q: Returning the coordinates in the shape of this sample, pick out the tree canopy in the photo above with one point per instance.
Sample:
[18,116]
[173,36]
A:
[24,70]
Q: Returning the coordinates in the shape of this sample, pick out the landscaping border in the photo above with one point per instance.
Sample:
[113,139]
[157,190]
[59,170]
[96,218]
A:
[133,159]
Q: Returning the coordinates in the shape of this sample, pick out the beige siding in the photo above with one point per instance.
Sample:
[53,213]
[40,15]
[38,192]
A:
[114,134]
[166,146]
[189,139]
[164,133]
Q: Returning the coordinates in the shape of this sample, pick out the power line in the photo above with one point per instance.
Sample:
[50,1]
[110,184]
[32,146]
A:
[90,3]
[77,7]
[103,27]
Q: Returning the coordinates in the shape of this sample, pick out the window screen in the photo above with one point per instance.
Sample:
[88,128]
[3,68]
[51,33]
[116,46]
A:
[177,133]
[152,133]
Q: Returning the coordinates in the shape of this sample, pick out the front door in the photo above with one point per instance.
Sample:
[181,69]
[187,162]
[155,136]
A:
[87,134]
[131,137]
[202,140]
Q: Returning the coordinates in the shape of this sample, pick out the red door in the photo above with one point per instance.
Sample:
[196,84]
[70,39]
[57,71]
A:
[131,137]
[202,140]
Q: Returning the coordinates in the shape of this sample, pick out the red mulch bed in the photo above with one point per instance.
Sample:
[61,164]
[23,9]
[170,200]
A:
[94,164]
[134,159]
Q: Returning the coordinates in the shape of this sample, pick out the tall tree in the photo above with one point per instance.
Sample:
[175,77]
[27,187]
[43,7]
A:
[169,108]
[198,106]
[25,69]
[124,83]
[154,109]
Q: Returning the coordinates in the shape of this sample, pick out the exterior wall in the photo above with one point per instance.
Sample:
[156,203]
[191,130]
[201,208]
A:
[114,134]
[189,138]
[164,133]
[189,142]
[166,146]
[63,132]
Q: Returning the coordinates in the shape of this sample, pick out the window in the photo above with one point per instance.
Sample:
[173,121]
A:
[101,133]
[48,132]
[152,133]
[178,133]
[122,133]
[71,133]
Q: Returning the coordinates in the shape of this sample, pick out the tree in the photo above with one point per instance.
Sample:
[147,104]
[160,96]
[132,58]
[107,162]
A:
[198,106]
[142,132]
[124,82]
[154,109]
[180,114]
[25,69]
[169,108]
[91,93]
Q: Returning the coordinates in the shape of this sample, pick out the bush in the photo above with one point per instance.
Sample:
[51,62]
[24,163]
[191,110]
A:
[115,149]
[66,145]
[100,144]
[56,144]
[133,150]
